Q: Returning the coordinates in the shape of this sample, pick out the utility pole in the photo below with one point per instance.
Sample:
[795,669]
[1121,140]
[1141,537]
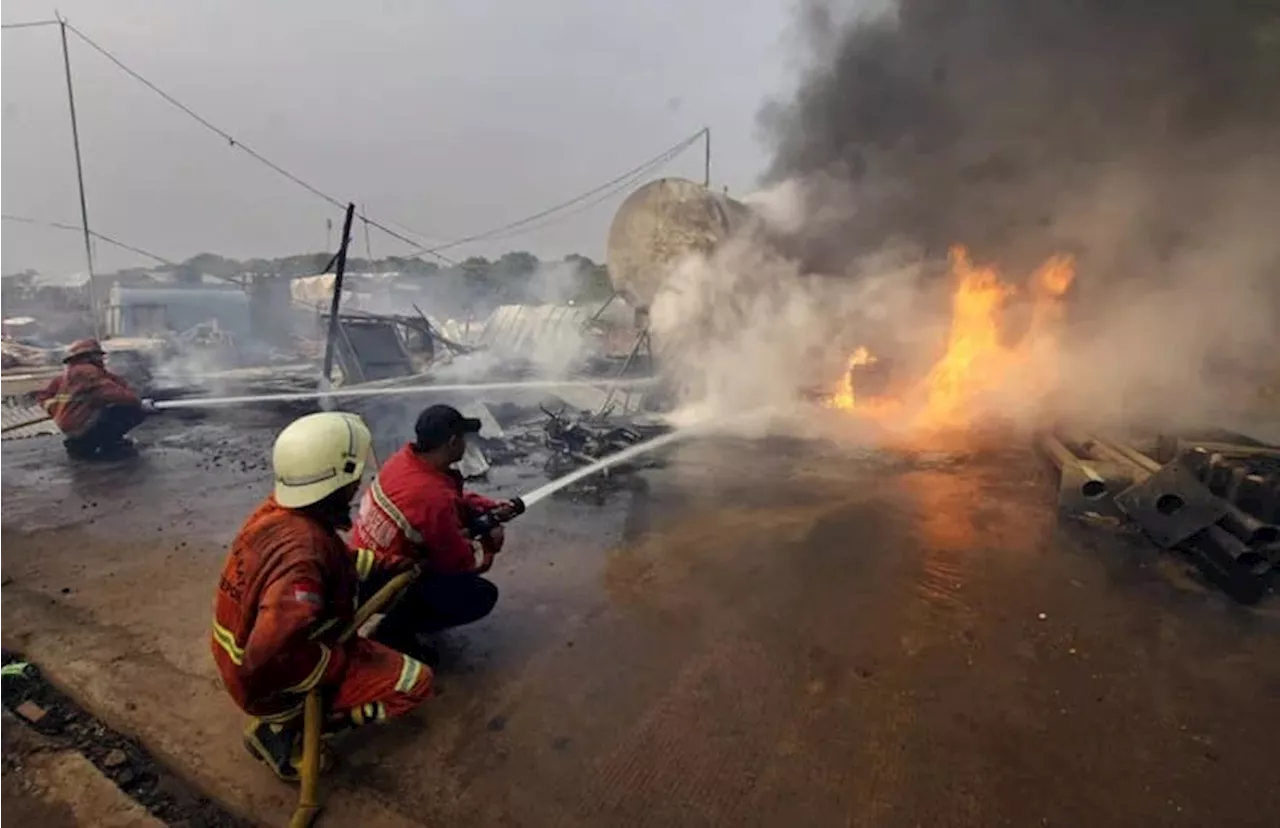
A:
[706,175]
[368,246]
[339,269]
[84,207]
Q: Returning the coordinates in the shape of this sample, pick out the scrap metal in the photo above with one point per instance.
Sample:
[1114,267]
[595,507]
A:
[1086,488]
[1176,506]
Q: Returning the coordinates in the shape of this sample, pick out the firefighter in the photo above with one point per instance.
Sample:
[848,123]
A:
[93,407]
[288,589]
[416,508]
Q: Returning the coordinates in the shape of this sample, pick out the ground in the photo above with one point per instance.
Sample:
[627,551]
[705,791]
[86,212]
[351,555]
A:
[59,788]
[770,633]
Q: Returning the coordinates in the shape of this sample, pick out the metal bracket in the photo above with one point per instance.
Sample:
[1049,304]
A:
[1171,505]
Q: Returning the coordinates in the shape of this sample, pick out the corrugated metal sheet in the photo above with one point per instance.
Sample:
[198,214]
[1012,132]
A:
[12,417]
[520,330]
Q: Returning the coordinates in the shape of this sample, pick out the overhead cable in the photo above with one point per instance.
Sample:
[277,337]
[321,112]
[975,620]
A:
[100,236]
[237,144]
[657,161]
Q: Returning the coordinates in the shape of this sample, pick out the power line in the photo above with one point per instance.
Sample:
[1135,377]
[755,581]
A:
[29,25]
[657,161]
[622,187]
[236,144]
[607,188]
[100,236]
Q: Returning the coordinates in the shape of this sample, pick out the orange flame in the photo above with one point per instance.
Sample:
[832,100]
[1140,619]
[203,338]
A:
[977,361]
[843,398]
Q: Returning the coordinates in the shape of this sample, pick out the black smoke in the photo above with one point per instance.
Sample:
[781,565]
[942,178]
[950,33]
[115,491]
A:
[1021,127]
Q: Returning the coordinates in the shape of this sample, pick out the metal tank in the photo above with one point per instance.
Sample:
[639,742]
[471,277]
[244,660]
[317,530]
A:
[658,225]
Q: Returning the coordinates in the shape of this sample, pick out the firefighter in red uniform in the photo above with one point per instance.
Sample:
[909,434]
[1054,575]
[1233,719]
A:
[288,588]
[93,407]
[416,509]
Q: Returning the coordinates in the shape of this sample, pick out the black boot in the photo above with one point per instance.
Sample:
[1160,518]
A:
[78,449]
[279,746]
[122,448]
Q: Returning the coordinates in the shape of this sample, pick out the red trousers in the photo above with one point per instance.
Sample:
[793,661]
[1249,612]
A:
[377,683]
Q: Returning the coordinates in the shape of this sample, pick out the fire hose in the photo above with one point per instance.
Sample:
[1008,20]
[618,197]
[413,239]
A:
[313,709]
[481,525]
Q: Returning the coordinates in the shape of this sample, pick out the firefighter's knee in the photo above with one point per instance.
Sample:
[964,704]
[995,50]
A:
[486,596]
[412,688]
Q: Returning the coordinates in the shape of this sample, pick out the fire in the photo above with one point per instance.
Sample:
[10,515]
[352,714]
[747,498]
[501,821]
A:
[843,398]
[978,361]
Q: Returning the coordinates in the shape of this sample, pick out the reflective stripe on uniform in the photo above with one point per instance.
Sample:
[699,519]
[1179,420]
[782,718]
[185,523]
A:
[393,512]
[60,399]
[364,563]
[227,641]
[371,712]
[410,672]
[317,672]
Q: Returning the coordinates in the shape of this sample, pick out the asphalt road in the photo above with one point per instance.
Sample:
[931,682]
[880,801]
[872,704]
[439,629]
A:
[761,633]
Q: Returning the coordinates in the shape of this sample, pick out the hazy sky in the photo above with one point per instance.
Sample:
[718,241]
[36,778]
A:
[448,117]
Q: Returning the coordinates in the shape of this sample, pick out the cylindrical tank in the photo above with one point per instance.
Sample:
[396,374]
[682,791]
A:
[658,225]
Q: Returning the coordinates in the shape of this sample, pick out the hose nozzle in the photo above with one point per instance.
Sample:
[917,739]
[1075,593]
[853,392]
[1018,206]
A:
[486,522]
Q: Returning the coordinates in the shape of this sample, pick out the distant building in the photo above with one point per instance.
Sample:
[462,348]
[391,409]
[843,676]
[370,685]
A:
[152,311]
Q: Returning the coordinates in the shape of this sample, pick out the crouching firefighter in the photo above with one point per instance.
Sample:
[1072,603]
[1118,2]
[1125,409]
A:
[416,508]
[93,407]
[288,589]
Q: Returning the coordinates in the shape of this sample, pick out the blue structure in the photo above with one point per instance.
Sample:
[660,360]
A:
[149,311]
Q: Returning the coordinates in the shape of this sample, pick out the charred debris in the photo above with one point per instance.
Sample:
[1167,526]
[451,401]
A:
[188,341]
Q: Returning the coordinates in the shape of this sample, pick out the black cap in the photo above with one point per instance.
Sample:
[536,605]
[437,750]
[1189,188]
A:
[438,423]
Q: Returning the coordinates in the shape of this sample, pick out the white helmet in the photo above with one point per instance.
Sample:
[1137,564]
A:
[317,455]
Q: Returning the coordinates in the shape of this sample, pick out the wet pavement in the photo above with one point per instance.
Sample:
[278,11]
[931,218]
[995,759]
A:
[768,633]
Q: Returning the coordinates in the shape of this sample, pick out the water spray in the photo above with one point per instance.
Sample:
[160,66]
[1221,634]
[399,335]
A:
[547,489]
[300,396]
[486,522]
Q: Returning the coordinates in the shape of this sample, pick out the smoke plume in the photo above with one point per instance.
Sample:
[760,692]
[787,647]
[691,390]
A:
[1138,136]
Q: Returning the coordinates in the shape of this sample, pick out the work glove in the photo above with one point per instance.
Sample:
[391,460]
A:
[149,406]
[492,542]
[506,510]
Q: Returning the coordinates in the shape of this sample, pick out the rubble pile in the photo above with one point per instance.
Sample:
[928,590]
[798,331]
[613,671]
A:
[17,356]
[19,420]
[556,438]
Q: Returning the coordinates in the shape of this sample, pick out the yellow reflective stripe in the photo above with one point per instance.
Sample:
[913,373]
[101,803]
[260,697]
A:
[369,712]
[59,399]
[314,678]
[364,563]
[227,641]
[410,672]
[393,512]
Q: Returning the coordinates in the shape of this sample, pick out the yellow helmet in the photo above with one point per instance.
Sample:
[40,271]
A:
[317,455]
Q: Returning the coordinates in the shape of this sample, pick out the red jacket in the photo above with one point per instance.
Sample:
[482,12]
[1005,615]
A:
[412,510]
[288,588]
[75,399]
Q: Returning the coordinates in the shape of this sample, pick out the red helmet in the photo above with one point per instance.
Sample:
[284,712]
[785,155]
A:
[82,348]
